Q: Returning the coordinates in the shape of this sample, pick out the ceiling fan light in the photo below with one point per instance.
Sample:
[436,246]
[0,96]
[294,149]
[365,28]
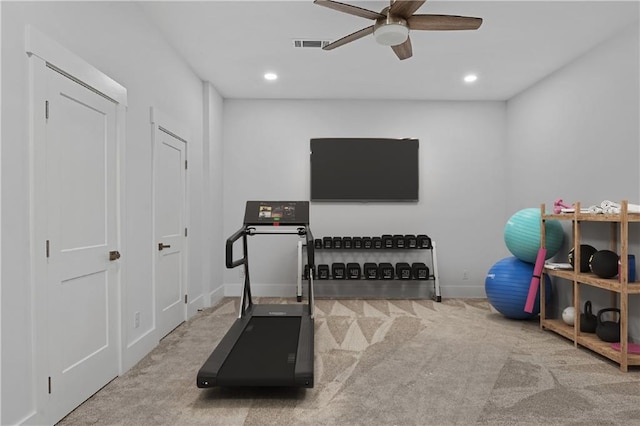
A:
[391,34]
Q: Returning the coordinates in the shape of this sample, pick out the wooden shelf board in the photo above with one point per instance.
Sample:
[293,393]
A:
[558,216]
[592,217]
[594,281]
[607,284]
[589,341]
[561,273]
[559,327]
[592,342]
[610,217]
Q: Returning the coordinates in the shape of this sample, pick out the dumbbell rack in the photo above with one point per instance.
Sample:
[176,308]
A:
[373,289]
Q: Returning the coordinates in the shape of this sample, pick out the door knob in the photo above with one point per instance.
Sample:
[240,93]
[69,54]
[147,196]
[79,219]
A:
[163,246]
[114,255]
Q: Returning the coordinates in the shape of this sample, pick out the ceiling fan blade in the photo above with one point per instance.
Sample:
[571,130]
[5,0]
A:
[351,10]
[349,38]
[443,22]
[404,50]
[404,8]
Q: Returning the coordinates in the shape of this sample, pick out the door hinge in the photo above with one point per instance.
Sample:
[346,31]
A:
[47,248]
[49,384]
[185,164]
[46,109]
[185,299]
[185,232]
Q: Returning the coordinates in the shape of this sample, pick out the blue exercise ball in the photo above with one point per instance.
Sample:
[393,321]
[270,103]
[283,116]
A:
[522,235]
[507,287]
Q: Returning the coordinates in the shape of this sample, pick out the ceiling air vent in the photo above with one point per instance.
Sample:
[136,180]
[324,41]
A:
[313,44]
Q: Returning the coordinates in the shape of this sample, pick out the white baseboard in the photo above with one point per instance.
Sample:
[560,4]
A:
[262,290]
[289,290]
[216,296]
[195,305]
[463,292]
[138,349]
[31,419]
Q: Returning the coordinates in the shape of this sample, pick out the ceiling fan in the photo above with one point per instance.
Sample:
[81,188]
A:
[394,22]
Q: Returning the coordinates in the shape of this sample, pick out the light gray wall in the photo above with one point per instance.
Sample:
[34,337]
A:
[462,180]
[115,38]
[575,136]
[212,195]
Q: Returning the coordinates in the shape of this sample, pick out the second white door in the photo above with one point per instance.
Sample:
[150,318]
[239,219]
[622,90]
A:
[170,230]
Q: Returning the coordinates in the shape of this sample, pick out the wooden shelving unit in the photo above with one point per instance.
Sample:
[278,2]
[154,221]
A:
[619,288]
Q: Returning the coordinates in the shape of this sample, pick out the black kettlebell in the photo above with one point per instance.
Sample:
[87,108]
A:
[608,331]
[588,321]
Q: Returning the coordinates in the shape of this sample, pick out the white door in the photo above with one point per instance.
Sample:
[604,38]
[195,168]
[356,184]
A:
[81,232]
[170,184]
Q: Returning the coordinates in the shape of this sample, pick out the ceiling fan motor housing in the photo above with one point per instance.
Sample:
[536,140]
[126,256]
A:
[391,31]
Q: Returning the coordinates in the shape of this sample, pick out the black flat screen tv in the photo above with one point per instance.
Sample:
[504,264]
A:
[364,169]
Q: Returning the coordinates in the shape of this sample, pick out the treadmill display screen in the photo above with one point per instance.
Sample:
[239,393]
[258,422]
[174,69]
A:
[274,213]
[277,212]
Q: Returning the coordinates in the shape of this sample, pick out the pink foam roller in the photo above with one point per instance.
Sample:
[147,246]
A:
[535,280]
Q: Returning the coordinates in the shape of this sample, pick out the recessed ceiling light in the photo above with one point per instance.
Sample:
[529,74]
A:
[470,78]
[271,76]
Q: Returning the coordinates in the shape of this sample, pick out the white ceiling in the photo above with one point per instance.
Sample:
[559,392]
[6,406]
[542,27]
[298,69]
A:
[233,43]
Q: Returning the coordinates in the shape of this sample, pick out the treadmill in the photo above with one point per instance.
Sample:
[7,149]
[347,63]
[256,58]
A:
[268,344]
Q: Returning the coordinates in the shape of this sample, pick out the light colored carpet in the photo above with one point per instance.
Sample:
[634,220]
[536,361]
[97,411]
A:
[382,362]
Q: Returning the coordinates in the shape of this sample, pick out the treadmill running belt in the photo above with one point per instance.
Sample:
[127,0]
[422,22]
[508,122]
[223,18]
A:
[264,355]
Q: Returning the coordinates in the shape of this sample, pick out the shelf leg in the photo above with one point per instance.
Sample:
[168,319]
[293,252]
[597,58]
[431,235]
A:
[436,276]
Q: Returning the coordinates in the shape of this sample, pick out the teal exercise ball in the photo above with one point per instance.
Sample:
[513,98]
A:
[522,235]
[507,288]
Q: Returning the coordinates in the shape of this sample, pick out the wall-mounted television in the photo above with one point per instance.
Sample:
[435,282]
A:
[364,169]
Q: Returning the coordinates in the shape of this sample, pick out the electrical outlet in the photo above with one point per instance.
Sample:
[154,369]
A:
[465,275]
[136,320]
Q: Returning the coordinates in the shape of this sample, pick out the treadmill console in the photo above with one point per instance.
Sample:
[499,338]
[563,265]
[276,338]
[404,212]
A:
[275,213]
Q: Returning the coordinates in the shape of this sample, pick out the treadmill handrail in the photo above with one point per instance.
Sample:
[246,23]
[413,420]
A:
[310,248]
[229,249]
[312,266]
[246,301]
